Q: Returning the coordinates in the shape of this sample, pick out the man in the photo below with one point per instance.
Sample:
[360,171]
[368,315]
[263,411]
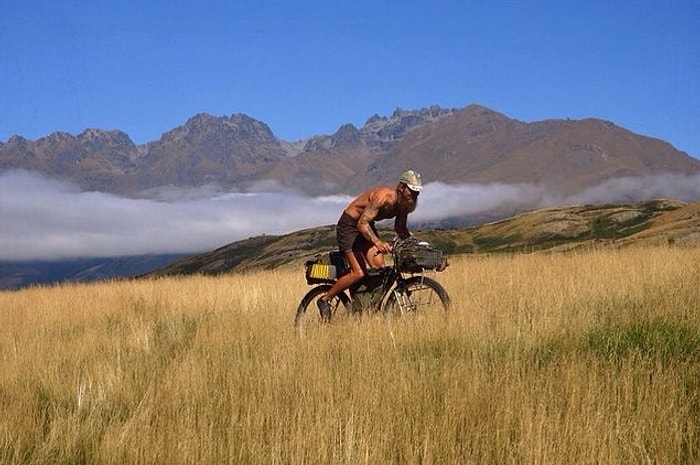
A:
[357,236]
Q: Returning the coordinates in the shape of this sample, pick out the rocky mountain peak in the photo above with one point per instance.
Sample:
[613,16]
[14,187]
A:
[402,121]
[96,138]
[18,141]
[58,136]
[55,140]
[203,127]
[346,136]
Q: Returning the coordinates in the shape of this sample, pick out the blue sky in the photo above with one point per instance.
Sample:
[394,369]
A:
[307,67]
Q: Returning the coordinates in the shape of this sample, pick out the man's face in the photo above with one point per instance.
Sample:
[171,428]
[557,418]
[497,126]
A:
[408,198]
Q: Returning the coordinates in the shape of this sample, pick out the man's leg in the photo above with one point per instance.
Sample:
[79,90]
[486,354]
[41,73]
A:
[374,258]
[355,274]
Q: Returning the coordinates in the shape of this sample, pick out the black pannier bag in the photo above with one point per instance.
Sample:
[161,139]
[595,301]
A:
[341,263]
[413,256]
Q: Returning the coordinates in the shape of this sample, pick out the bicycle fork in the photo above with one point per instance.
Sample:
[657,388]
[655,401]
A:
[403,300]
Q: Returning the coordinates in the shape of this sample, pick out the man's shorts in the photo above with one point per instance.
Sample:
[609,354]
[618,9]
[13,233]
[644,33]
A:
[349,236]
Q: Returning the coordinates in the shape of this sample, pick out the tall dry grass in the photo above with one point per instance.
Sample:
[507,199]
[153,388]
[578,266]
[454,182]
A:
[587,358]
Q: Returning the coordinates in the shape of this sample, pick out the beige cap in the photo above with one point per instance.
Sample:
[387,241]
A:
[412,180]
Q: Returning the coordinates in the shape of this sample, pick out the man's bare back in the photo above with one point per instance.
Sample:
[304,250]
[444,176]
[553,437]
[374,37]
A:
[376,204]
[379,203]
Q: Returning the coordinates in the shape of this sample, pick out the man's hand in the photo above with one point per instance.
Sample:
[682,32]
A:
[383,246]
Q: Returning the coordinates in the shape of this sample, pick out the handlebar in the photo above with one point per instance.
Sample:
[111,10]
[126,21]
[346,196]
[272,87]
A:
[398,242]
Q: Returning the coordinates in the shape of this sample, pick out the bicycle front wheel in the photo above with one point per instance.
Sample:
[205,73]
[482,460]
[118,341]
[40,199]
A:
[419,296]
[308,316]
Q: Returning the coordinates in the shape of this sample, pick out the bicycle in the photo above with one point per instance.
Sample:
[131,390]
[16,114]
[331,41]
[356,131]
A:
[399,289]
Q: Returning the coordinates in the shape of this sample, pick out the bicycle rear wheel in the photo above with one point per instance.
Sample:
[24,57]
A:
[308,316]
[418,296]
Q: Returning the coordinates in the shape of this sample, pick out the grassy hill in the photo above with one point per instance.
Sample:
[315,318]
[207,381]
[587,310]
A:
[563,228]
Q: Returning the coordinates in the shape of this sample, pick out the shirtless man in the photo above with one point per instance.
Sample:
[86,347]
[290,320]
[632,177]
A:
[357,236]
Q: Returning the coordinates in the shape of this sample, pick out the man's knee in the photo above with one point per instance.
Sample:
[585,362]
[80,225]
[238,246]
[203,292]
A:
[357,274]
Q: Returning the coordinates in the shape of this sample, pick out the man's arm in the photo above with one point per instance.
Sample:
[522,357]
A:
[401,226]
[364,223]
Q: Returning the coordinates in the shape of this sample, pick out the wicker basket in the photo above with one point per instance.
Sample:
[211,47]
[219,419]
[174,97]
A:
[415,258]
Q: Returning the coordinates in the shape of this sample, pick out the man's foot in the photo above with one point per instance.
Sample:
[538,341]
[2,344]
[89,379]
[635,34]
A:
[324,308]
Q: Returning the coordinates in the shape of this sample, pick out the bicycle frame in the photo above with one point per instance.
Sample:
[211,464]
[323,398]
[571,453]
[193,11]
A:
[390,289]
[390,277]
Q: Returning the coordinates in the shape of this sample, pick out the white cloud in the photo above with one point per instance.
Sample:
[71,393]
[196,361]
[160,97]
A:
[670,186]
[440,201]
[46,219]
[41,218]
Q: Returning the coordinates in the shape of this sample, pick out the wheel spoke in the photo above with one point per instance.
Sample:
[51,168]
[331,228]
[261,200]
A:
[308,317]
[418,296]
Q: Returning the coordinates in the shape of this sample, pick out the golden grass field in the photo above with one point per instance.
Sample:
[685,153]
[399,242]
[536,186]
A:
[590,357]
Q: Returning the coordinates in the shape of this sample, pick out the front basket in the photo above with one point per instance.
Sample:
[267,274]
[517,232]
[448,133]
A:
[415,258]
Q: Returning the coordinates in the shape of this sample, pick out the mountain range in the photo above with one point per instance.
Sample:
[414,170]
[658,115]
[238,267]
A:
[237,153]
[453,146]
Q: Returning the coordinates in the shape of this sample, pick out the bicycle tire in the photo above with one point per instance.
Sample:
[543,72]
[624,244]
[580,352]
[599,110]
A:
[308,316]
[423,296]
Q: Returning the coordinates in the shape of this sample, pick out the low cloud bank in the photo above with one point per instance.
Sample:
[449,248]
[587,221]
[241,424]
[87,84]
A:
[669,186]
[47,219]
[44,219]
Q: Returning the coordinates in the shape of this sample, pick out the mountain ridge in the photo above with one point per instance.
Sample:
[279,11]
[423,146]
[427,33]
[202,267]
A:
[473,144]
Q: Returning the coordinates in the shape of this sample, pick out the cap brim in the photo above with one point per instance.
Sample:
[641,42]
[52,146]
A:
[415,188]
